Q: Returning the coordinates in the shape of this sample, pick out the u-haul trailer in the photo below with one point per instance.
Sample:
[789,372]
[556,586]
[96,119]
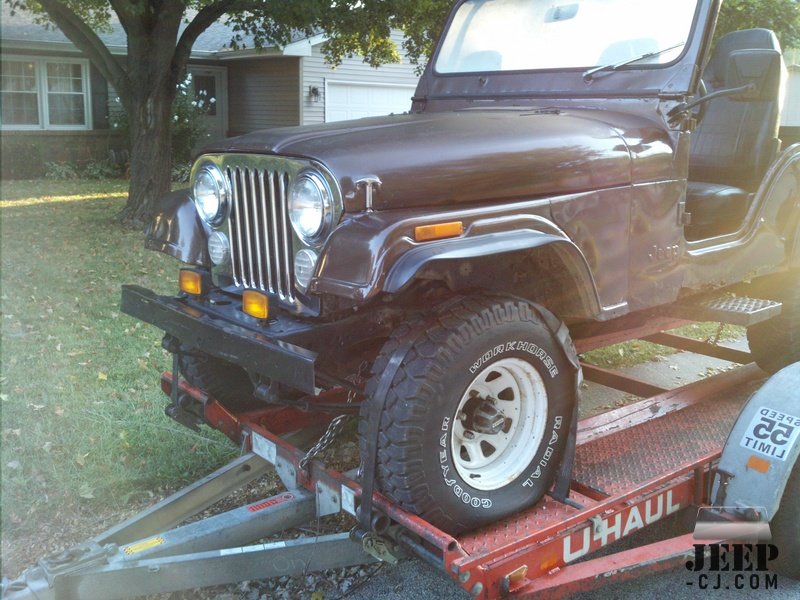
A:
[632,467]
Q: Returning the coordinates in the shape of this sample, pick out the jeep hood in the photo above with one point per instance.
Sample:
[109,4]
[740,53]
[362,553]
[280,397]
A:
[469,156]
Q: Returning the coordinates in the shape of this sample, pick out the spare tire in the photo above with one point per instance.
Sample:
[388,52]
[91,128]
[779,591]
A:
[225,382]
[477,415]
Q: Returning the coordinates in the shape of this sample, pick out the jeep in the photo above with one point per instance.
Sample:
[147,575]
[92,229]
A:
[564,167]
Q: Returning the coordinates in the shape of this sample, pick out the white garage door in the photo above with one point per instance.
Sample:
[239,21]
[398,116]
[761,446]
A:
[345,100]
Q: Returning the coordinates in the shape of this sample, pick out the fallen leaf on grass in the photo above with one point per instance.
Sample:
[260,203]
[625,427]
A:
[86,491]
[81,460]
[102,376]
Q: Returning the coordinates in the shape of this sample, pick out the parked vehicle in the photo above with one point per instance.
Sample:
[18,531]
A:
[434,263]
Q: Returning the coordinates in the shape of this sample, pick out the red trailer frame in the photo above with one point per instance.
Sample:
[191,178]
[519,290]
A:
[634,466]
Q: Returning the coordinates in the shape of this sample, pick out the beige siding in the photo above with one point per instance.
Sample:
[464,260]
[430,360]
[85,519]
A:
[791,101]
[316,72]
[262,93]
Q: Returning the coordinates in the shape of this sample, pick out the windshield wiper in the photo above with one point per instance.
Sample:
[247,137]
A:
[587,75]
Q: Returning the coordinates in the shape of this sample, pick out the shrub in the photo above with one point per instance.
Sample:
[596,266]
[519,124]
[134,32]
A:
[188,127]
[60,170]
[100,169]
[181,172]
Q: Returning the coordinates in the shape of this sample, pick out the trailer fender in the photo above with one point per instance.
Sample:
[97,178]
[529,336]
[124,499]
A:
[177,230]
[426,260]
[762,448]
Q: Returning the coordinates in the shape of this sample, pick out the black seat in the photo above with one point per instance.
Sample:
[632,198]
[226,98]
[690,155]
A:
[735,141]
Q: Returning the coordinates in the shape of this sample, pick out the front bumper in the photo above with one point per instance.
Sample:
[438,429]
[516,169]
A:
[255,351]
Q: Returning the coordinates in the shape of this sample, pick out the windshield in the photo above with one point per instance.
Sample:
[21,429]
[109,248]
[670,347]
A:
[522,35]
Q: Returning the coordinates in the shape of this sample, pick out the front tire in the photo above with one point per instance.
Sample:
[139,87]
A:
[477,416]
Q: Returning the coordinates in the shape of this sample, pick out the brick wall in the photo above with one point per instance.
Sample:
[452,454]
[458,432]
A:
[24,153]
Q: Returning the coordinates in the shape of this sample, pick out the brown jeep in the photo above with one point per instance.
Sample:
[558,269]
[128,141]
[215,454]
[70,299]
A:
[563,167]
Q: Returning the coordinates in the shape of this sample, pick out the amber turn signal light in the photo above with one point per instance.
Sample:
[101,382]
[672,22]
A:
[426,233]
[190,282]
[255,304]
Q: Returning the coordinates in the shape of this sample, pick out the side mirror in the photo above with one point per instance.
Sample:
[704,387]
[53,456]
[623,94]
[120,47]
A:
[762,70]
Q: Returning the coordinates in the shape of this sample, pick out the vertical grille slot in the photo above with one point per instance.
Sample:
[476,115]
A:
[261,241]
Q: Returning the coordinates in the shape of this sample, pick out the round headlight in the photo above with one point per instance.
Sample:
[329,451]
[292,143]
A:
[219,249]
[305,262]
[309,206]
[210,193]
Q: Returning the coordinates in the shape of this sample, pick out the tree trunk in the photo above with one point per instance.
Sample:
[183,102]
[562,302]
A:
[151,153]
[153,72]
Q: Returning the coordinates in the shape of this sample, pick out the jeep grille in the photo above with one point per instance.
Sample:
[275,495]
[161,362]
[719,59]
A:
[261,238]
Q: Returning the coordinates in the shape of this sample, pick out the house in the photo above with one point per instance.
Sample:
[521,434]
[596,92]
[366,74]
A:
[790,116]
[54,105]
[253,89]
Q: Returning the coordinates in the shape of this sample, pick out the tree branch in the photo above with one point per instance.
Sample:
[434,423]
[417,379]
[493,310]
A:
[126,16]
[202,21]
[80,34]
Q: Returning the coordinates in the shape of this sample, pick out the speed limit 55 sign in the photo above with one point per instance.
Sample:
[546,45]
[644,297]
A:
[771,433]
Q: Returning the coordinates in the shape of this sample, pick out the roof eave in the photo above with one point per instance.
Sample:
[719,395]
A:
[299,48]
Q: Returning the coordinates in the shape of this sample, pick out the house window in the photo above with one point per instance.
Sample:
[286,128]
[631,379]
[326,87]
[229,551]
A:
[42,93]
[20,93]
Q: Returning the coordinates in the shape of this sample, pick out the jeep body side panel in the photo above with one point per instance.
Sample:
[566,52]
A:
[767,239]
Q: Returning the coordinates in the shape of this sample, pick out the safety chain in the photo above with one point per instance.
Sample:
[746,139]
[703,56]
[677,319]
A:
[334,428]
[337,424]
[715,340]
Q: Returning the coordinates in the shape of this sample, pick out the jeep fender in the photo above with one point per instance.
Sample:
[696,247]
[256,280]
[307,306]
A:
[177,230]
[430,260]
[779,198]
[375,253]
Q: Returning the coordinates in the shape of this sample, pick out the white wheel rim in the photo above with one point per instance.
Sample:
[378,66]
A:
[489,461]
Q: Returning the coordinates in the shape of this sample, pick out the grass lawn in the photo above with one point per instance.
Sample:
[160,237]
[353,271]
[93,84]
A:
[83,427]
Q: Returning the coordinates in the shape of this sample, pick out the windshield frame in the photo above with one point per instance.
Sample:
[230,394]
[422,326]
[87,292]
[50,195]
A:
[633,66]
